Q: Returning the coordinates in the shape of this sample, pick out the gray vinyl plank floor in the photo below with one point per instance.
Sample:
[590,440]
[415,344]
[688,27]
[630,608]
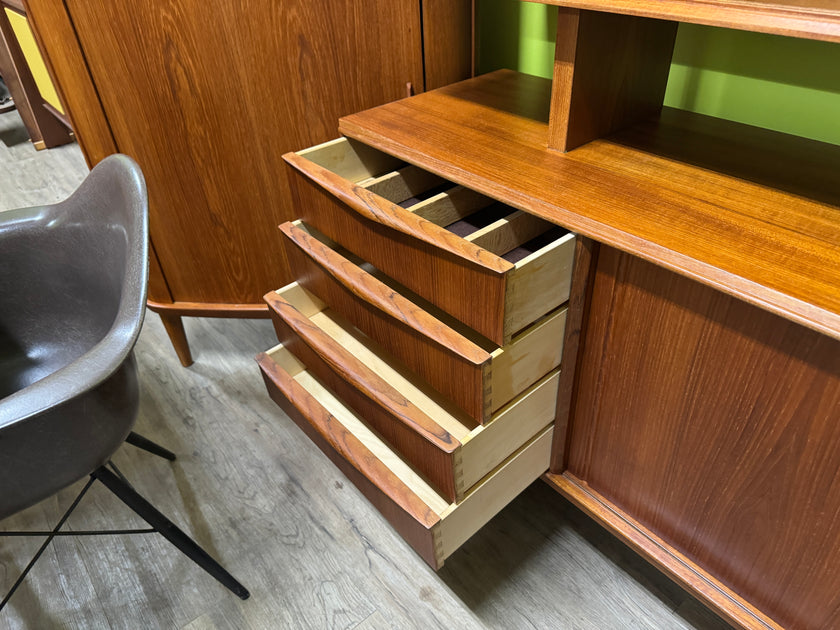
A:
[263,500]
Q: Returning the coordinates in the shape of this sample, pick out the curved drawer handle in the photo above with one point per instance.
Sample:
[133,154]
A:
[375,208]
[382,297]
[359,376]
[313,418]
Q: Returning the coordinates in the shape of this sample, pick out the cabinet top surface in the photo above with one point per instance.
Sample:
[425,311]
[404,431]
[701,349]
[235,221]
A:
[751,212]
[811,19]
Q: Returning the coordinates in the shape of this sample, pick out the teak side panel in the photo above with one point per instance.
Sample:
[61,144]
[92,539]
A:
[728,604]
[583,271]
[761,244]
[473,293]
[208,100]
[447,41]
[446,360]
[810,19]
[715,425]
[610,71]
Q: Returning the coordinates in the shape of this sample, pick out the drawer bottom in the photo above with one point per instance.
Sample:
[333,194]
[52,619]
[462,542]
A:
[433,526]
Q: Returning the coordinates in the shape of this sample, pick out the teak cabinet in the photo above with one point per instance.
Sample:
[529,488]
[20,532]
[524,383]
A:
[680,322]
[207,96]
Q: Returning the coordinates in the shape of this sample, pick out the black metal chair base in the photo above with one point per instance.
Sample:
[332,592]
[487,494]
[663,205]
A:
[168,529]
[147,445]
[119,485]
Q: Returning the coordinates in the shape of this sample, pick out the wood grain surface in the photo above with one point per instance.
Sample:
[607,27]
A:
[66,62]
[255,491]
[447,41]
[406,428]
[733,607]
[449,362]
[472,275]
[364,200]
[811,19]
[402,508]
[172,78]
[766,246]
[610,71]
[586,255]
[714,424]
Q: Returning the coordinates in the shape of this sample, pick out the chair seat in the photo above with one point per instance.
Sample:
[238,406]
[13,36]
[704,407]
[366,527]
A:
[23,365]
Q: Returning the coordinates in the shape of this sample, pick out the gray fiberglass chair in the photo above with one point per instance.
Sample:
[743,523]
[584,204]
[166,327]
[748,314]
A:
[72,298]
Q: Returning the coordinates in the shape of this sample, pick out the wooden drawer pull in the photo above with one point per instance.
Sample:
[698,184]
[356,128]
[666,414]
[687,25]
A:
[375,208]
[359,376]
[381,296]
[331,436]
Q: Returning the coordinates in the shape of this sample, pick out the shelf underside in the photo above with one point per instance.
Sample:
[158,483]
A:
[809,19]
[751,212]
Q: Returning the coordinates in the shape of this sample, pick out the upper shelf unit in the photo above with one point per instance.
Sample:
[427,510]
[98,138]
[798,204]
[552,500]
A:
[754,213]
[809,19]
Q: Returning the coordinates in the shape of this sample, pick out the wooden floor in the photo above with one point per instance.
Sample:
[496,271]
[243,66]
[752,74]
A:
[251,489]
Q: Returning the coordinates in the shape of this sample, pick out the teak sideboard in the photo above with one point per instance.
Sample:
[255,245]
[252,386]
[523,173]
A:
[511,277]
[207,96]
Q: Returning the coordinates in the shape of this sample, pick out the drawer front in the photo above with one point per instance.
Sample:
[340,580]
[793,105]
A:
[430,523]
[445,445]
[491,267]
[478,377]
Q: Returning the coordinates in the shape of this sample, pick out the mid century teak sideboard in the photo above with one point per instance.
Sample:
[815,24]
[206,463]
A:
[511,277]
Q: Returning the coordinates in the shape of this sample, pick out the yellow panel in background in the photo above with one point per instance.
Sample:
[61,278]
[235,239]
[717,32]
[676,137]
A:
[33,58]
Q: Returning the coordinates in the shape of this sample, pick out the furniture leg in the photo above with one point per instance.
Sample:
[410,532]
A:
[169,530]
[174,326]
[147,445]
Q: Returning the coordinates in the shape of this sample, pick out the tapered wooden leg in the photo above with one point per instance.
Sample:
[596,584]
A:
[175,329]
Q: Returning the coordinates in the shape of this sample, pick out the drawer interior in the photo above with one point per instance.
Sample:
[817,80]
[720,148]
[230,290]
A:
[508,233]
[510,267]
[494,226]
[531,352]
[447,525]
[352,423]
[477,448]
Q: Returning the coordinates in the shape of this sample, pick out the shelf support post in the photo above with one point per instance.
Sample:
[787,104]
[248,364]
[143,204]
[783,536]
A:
[610,71]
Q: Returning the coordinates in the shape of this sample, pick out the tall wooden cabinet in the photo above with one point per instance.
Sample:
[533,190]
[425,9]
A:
[697,403]
[207,96]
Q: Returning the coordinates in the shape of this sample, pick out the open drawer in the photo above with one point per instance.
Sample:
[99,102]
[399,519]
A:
[475,374]
[442,443]
[492,267]
[432,525]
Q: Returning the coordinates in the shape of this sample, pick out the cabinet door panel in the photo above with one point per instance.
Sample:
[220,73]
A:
[207,96]
[715,425]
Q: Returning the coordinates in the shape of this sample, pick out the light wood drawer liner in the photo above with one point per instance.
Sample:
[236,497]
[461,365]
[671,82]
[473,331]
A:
[442,443]
[338,188]
[433,526]
[475,374]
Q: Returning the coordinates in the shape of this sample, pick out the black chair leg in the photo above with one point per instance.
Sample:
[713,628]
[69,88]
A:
[168,529]
[147,445]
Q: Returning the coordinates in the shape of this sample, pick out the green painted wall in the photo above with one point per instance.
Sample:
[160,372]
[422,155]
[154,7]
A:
[786,84]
